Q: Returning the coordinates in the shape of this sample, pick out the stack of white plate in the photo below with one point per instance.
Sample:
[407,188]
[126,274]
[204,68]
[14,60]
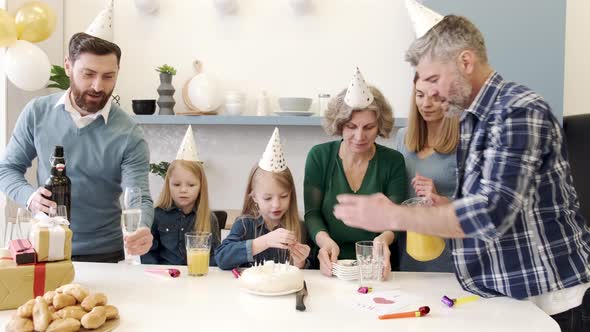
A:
[346,269]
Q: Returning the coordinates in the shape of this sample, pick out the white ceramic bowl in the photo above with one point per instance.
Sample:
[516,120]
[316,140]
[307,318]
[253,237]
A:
[234,108]
[295,104]
[234,97]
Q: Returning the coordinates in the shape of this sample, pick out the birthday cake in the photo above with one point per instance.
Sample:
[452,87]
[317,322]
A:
[272,278]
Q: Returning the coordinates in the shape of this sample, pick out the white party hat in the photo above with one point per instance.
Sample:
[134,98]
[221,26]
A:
[273,159]
[358,95]
[102,26]
[188,147]
[422,17]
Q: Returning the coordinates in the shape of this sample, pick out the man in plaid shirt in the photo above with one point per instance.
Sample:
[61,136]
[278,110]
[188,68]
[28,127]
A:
[515,222]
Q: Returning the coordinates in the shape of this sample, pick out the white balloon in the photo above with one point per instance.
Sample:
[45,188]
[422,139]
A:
[147,6]
[204,93]
[27,66]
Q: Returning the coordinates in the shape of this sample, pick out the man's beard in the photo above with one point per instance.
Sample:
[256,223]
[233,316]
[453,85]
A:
[458,95]
[80,98]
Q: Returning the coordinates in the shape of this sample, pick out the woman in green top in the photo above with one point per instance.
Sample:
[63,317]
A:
[354,164]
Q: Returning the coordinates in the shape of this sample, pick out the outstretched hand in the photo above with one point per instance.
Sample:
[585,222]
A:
[366,212]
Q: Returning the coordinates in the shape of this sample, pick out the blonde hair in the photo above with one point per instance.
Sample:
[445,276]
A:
[338,114]
[417,132]
[290,219]
[165,201]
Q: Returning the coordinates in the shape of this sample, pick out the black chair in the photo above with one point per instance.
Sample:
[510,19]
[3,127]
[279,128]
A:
[221,218]
[577,134]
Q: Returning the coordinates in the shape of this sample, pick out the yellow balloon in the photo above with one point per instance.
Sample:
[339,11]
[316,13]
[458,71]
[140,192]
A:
[7,29]
[35,21]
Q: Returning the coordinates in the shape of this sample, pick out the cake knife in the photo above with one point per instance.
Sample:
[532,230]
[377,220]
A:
[299,305]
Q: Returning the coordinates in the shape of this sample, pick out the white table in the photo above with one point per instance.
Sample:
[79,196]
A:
[215,303]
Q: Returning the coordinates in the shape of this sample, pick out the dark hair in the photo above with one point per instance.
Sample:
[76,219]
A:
[85,43]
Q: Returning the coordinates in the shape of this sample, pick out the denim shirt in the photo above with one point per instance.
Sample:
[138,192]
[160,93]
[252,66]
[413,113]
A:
[169,227]
[236,248]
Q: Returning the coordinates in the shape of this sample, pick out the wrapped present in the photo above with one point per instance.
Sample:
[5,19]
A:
[21,283]
[52,239]
[22,252]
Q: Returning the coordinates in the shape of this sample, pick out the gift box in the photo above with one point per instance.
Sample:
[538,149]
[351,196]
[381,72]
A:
[22,252]
[52,239]
[21,283]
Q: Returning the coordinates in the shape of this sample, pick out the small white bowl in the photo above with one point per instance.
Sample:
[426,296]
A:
[235,97]
[295,104]
[234,108]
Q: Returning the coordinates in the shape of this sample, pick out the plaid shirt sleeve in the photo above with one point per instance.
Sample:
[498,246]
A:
[512,154]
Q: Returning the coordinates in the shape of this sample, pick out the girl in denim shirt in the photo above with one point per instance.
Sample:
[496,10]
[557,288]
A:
[183,207]
[269,227]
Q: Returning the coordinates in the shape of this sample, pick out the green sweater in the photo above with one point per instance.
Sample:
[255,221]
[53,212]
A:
[325,179]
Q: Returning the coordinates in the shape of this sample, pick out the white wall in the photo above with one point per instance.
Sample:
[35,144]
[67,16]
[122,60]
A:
[577,53]
[265,46]
[3,115]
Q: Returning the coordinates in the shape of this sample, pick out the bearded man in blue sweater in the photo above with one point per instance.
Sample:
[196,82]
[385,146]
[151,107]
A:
[104,148]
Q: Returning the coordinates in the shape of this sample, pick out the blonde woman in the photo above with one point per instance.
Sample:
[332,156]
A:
[353,164]
[183,206]
[428,145]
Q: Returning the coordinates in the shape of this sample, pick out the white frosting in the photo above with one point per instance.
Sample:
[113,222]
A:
[272,278]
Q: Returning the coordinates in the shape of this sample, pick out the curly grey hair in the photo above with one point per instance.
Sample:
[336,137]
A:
[449,37]
[338,114]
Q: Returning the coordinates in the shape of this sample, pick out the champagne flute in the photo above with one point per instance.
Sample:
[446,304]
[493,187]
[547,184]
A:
[131,216]
[23,218]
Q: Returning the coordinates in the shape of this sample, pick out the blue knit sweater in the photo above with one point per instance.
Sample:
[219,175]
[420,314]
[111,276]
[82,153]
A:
[101,160]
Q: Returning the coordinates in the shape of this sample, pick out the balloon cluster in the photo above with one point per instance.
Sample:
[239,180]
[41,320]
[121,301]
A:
[26,65]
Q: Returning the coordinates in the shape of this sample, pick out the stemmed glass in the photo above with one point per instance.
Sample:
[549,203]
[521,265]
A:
[23,218]
[131,217]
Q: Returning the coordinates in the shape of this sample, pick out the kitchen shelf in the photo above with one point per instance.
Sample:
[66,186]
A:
[238,120]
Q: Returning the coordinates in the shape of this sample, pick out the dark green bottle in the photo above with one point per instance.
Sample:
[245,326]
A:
[58,183]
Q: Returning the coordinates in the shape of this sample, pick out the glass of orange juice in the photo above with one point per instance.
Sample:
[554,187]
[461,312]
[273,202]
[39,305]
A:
[198,246]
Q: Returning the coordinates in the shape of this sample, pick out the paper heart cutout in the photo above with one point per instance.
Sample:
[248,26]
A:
[382,300]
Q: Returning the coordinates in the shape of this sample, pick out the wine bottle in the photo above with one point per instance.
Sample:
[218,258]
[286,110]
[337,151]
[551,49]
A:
[58,182]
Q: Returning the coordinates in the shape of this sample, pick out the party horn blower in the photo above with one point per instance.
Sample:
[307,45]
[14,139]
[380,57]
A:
[174,273]
[236,273]
[422,311]
[462,300]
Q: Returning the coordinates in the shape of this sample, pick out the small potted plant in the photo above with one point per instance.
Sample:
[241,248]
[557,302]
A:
[160,169]
[166,90]
[59,79]
[165,69]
